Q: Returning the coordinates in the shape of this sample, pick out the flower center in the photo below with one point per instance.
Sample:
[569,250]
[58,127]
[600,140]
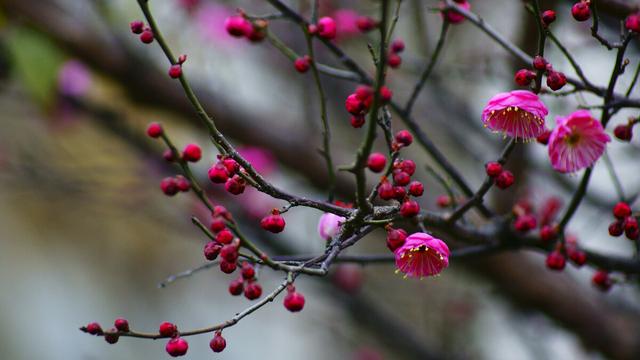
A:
[572,139]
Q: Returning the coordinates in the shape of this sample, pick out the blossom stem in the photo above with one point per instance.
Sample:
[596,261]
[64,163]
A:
[614,176]
[542,38]
[231,322]
[594,29]
[575,200]
[633,81]
[567,54]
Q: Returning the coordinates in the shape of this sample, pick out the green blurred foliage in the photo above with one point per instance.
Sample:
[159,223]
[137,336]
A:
[36,61]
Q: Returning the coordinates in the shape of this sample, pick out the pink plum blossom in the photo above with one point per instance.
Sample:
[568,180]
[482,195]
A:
[329,225]
[422,255]
[519,114]
[576,142]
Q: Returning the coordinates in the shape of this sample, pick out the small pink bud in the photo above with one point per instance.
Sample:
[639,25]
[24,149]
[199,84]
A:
[580,11]
[601,280]
[404,137]
[169,186]
[524,77]
[327,28]
[493,169]
[253,290]
[136,26]
[192,153]
[409,208]
[365,24]
[548,16]
[505,179]
[154,130]
[146,36]
[121,324]
[294,301]
[416,188]
[397,46]
[376,162]
[556,261]
[302,64]
[556,80]
[539,63]
[632,22]
[218,343]
[177,347]
[168,329]
[273,223]
[238,26]
[175,71]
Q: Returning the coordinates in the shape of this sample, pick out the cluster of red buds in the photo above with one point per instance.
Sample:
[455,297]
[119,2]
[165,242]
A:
[400,188]
[227,171]
[556,80]
[246,283]
[626,223]
[502,178]
[393,58]
[175,347]
[359,103]
[556,260]
[138,28]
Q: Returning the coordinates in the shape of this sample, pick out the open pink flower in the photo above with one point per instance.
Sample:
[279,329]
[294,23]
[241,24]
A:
[329,225]
[519,114]
[422,255]
[576,142]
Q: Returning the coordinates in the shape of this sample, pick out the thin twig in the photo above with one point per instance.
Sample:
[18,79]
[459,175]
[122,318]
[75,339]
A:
[427,71]
[326,131]
[234,320]
[187,273]
[614,176]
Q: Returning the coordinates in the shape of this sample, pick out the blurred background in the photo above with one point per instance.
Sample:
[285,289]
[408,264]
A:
[86,234]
